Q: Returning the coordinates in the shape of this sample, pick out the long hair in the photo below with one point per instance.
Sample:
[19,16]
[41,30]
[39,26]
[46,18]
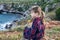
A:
[40,12]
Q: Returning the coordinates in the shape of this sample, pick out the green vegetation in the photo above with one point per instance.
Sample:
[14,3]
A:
[17,1]
[53,33]
[15,34]
[58,14]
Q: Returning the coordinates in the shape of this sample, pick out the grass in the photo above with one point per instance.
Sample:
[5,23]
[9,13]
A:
[17,33]
[53,33]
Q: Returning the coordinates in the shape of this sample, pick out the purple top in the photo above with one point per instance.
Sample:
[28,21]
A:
[36,32]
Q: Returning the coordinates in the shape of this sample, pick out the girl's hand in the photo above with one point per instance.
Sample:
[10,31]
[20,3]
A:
[30,25]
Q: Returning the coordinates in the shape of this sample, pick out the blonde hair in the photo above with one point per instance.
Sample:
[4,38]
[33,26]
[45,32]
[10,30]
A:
[40,12]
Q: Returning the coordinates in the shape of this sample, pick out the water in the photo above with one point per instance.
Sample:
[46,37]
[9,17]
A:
[7,19]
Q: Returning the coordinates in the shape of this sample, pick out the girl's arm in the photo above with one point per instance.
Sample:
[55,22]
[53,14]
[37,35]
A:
[33,29]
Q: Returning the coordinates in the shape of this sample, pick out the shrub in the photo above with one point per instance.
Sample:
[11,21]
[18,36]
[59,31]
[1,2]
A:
[58,14]
[19,29]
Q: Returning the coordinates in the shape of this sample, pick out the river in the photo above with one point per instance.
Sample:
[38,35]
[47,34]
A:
[7,19]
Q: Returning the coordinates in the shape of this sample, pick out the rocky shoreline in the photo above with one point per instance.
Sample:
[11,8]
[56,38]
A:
[10,8]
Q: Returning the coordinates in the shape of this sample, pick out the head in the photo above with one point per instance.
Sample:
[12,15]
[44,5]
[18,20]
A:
[35,11]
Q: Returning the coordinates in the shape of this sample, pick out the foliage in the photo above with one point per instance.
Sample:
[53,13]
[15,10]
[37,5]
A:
[18,29]
[58,14]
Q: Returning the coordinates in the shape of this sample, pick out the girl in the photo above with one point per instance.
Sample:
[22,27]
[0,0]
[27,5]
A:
[36,32]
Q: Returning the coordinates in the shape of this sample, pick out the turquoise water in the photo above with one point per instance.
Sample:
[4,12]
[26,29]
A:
[8,18]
